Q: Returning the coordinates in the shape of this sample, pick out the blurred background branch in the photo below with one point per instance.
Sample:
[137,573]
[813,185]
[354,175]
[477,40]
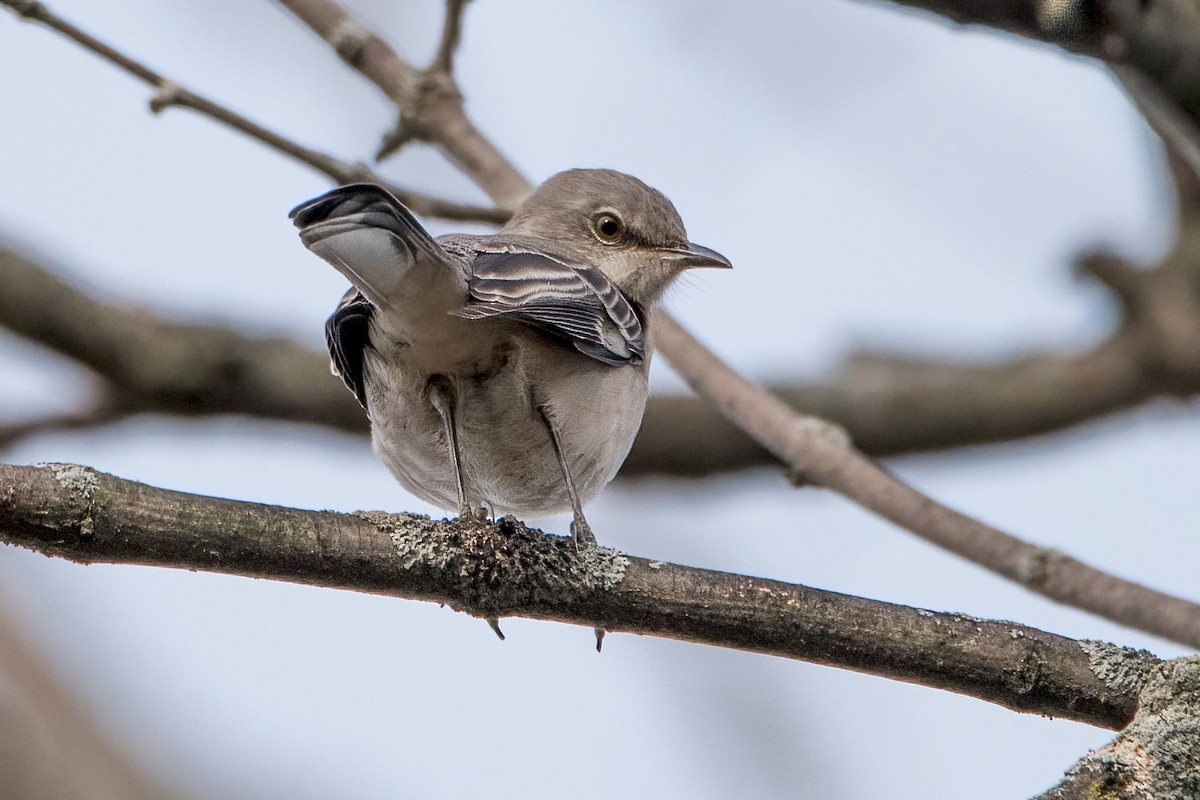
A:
[889,403]
[50,746]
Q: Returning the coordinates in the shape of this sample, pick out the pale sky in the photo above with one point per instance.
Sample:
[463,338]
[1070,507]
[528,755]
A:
[877,177]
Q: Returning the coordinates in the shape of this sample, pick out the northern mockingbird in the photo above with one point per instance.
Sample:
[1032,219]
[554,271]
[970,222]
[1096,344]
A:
[507,370]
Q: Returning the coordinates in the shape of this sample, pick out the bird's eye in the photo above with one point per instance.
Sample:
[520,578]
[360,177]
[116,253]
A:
[608,227]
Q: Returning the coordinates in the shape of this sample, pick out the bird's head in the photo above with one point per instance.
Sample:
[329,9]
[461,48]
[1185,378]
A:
[618,224]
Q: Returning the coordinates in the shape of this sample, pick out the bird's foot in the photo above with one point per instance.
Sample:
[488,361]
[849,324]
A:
[582,533]
[474,513]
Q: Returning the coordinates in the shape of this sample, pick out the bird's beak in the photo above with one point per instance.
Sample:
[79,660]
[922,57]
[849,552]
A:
[694,255]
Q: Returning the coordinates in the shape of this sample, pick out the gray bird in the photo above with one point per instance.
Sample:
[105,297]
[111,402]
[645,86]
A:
[510,370]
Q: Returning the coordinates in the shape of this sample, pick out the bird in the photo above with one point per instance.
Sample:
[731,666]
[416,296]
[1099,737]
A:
[504,372]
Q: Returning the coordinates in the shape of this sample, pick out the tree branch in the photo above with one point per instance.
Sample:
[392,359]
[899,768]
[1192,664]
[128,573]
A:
[430,105]
[839,467]
[451,36]
[888,404]
[50,744]
[109,408]
[507,569]
[172,94]
[820,453]
[1160,40]
[155,365]
[1156,757]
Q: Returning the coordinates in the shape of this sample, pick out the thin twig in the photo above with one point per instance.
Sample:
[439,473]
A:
[821,454]
[506,569]
[172,94]
[1179,131]
[101,412]
[451,36]
[430,105]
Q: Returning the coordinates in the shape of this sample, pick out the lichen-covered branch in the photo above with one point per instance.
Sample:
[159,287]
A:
[1160,335]
[507,569]
[1157,757]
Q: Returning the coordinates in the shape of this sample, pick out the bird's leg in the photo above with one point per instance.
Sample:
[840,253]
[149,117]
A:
[441,397]
[580,530]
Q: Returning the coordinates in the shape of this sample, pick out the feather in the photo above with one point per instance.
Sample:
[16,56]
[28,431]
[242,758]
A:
[368,236]
[574,303]
[347,334]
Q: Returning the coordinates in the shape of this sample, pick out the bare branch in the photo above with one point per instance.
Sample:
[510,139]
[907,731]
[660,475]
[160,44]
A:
[50,745]
[888,405]
[821,454]
[894,404]
[509,570]
[430,105]
[451,35]
[1180,133]
[172,94]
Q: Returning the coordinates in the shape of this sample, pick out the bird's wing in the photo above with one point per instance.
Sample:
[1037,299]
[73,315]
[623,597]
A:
[368,236]
[574,303]
[347,336]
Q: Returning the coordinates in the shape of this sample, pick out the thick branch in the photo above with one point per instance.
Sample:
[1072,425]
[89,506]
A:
[172,94]
[509,570]
[822,454]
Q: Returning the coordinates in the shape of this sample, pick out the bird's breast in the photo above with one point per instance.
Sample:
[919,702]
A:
[500,393]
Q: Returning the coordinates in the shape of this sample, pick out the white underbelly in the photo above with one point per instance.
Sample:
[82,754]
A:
[507,456]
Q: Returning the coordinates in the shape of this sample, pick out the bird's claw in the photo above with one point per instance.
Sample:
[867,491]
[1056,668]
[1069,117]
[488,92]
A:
[581,532]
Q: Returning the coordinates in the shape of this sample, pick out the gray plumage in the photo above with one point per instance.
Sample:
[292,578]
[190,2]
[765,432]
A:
[510,370]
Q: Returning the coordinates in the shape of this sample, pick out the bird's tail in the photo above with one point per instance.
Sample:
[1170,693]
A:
[371,238]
